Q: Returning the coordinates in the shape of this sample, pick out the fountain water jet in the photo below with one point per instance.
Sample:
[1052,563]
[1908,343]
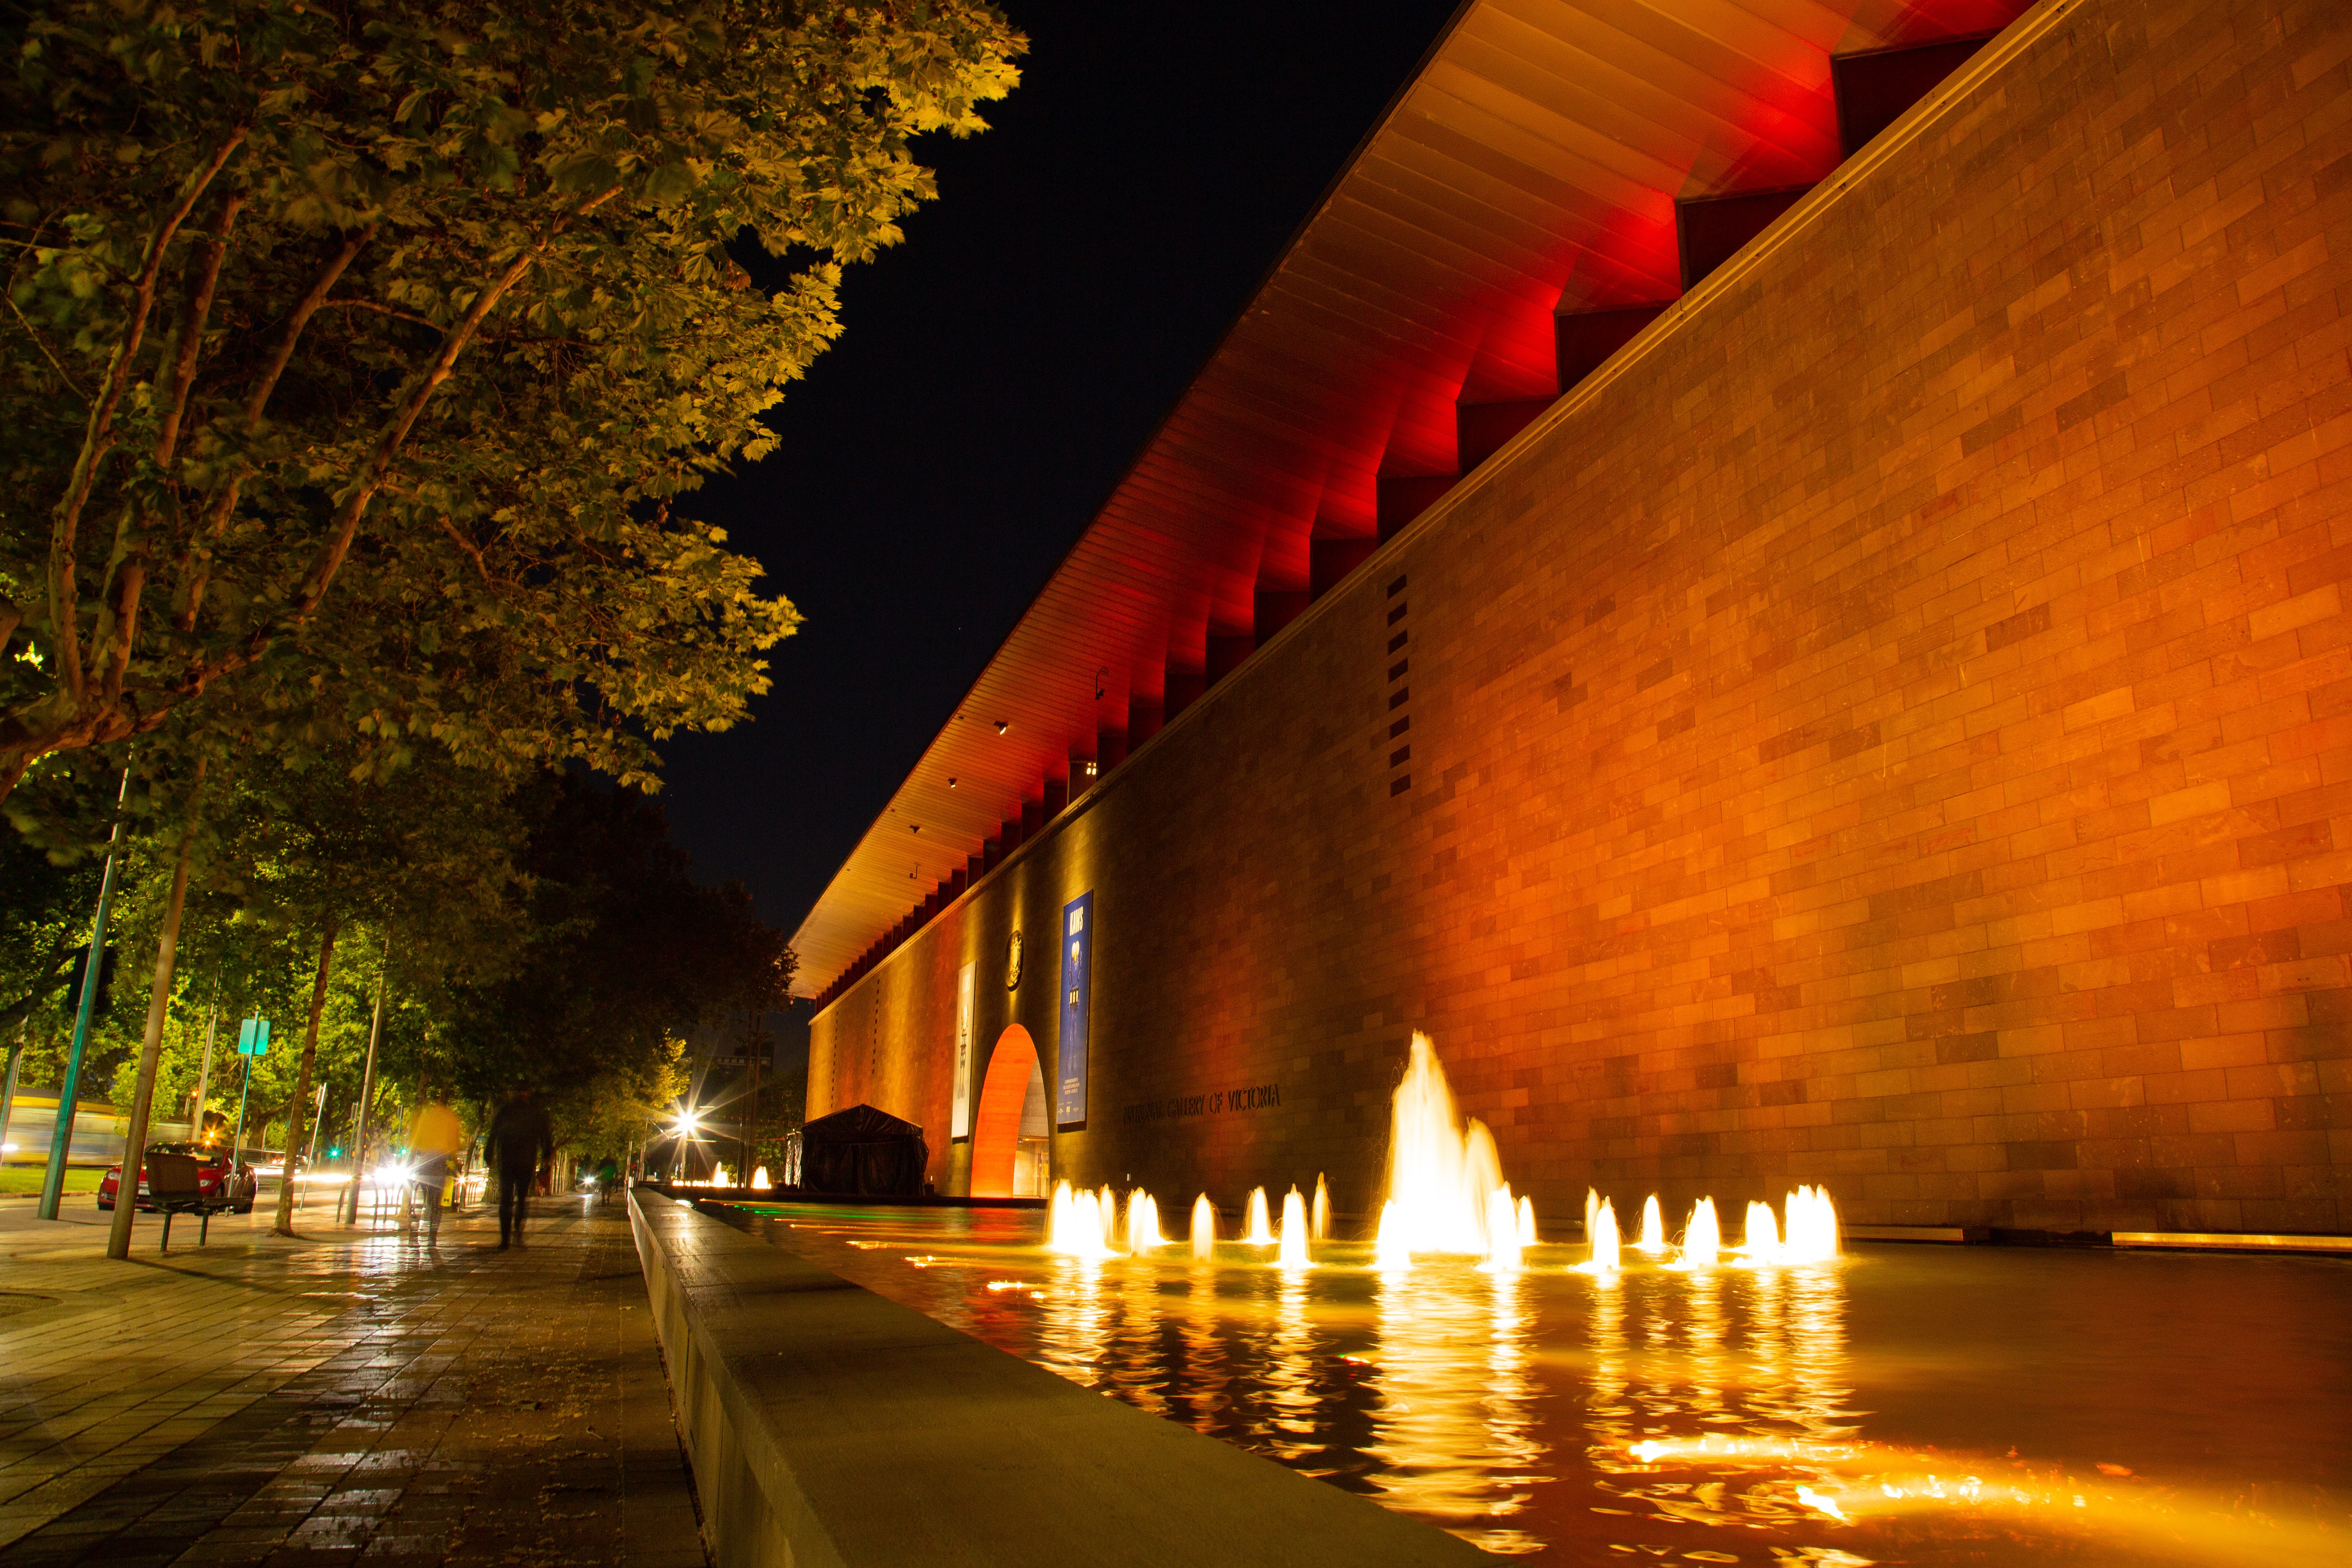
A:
[1389,1250]
[1260,1232]
[1812,1229]
[1702,1238]
[1763,1242]
[1601,1231]
[1143,1222]
[1591,1211]
[1109,1202]
[1653,1228]
[1441,1172]
[1074,1224]
[1204,1229]
[1293,1232]
[1526,1221]
[1503,1225]
[1322,1209]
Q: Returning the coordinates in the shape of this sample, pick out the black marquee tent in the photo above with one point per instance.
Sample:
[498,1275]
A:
[862,1150]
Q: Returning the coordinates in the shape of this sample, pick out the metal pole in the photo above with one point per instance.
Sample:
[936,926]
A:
[236,1151]
[367,1084]
[310,1156]
[52,1180]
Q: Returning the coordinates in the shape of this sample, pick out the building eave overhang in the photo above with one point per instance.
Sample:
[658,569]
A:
[1531,169]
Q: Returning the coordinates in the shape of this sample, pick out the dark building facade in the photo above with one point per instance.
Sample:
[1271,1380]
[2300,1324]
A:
[1879,718]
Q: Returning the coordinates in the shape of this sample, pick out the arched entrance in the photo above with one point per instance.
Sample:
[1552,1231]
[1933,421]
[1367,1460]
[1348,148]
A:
[1008,1133]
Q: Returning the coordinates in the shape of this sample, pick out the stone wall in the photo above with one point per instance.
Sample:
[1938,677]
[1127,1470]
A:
[1893,733]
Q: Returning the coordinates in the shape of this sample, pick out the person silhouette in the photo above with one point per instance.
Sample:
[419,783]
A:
[435,1135]
[521,1137]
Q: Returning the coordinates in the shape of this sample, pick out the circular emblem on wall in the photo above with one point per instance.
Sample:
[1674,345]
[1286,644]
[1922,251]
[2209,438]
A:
[1013,964]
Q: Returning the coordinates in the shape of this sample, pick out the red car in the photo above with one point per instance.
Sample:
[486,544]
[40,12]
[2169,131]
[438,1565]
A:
[218,1178]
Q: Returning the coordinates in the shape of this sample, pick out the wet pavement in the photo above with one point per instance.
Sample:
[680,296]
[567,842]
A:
[354,1394]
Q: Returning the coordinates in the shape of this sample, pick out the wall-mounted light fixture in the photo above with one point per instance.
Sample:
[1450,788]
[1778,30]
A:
[1087,767]
[951,783]
[1002,726]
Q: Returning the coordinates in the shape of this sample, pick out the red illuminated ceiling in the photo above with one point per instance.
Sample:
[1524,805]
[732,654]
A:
[1531,169]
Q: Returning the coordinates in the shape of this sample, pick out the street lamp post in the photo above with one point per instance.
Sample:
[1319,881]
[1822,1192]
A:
[52,1180]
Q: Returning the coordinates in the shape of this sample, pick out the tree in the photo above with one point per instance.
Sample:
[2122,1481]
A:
[625,952]
[358,352]
[319,851]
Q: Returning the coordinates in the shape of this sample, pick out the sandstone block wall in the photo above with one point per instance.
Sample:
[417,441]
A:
[1898,734]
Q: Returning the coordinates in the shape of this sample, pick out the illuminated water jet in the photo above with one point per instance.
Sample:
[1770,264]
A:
[1653,1228]
[1812,1227]
[1143,1222]
[1762,1243]
[1074,1224]
[1601,1230]
[1258,1232]
[1526,1221]
[1322,1209]
[1204,1229]
[1441,1172]
[1293,1232]
[1503,1227]
[1389,1250]
[1702,1238]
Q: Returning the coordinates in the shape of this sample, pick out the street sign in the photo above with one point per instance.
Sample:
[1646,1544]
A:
[253,1037]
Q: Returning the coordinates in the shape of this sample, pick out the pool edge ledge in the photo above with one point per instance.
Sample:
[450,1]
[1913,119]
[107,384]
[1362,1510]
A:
[2228,1241]
[826,1425]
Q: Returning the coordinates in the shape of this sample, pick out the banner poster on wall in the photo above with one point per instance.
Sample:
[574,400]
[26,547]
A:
[1077,948]
[959,1122]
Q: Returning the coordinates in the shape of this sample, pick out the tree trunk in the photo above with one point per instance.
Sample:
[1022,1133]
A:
[285,1226]
[159,1003]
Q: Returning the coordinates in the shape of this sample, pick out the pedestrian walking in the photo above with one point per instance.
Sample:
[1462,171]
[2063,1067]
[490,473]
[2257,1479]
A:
[521,1137]
[434,1139]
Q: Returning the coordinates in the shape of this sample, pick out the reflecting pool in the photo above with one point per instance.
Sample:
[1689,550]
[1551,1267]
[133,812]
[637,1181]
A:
[1914,1405]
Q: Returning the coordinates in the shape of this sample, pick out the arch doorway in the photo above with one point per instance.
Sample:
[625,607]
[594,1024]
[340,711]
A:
[1009,1132]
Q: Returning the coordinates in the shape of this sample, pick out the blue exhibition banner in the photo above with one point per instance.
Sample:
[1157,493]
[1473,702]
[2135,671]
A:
[1077,947]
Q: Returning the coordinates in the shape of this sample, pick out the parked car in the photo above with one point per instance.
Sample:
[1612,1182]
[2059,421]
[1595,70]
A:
[217,1174]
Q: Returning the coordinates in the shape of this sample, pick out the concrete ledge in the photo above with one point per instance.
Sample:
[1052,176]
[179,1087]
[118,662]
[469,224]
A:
[1952,1235]
[2225,1242]
[827,1425]
[686,1195]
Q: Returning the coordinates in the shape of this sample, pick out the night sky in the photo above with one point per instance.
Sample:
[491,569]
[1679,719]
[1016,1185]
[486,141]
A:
[1000,370]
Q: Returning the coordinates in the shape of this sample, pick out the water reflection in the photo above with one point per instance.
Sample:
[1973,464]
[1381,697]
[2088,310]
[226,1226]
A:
[1705,1414]
[1453,1433]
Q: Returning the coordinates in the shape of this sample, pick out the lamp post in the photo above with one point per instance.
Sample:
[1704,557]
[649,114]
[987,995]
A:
[52,1180]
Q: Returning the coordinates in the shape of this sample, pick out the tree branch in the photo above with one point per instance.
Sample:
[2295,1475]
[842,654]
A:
[223,501]
[64,592]
[394,435]
[191,330]
[114,723]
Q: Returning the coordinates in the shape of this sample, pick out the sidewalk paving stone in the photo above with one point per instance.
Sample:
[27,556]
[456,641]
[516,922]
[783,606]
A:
[352,1394]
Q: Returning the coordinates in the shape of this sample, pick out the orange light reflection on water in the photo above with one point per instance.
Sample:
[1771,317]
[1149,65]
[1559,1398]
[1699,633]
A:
[1709,1414]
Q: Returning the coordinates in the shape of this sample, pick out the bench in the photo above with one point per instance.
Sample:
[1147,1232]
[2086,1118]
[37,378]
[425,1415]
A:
[173,1188]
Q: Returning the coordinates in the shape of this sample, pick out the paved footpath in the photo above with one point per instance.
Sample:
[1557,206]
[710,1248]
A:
[350,1394]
